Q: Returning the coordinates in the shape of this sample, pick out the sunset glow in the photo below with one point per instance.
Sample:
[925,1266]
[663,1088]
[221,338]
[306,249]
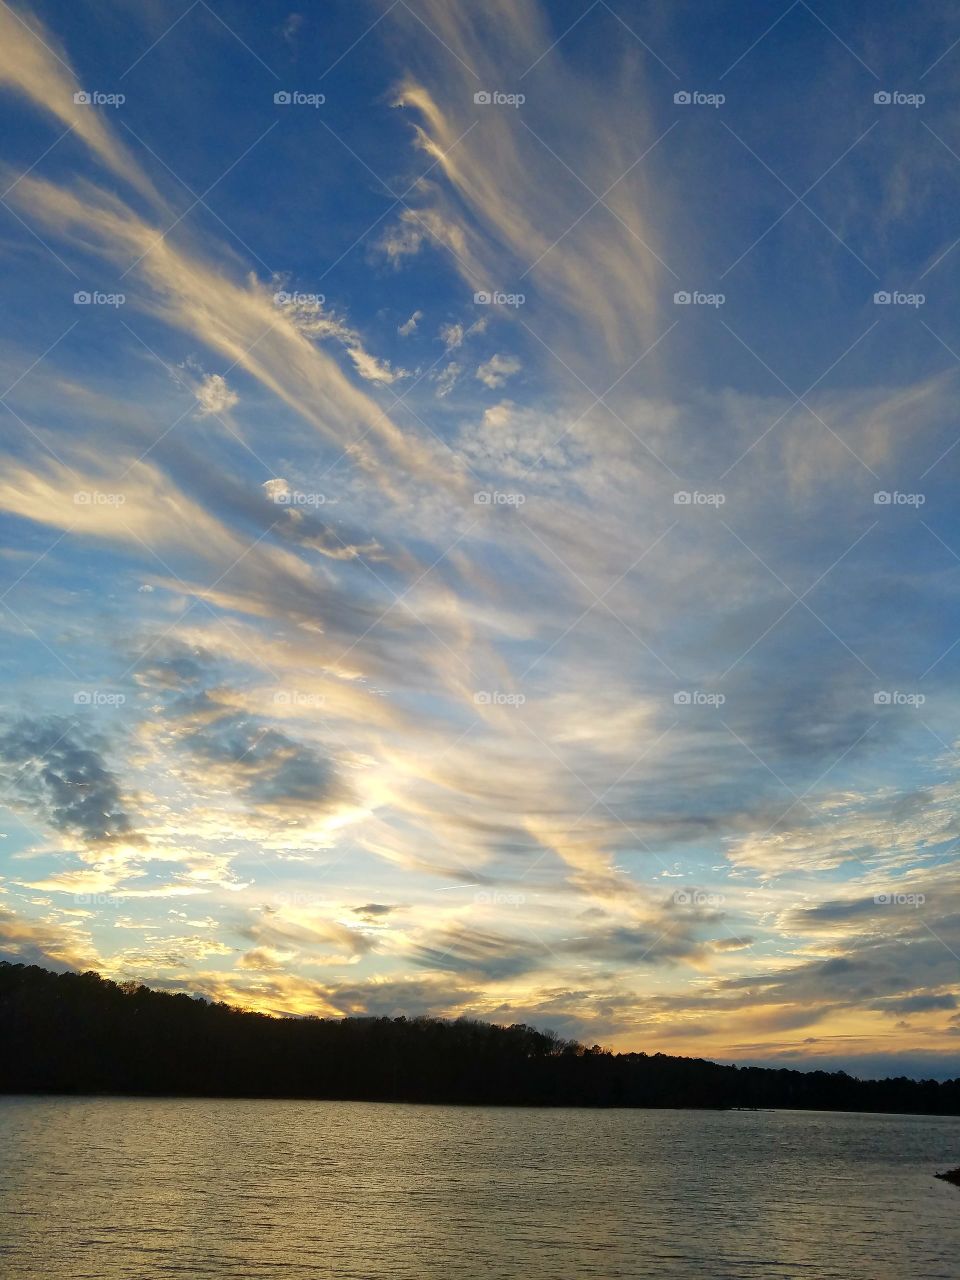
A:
[479,519]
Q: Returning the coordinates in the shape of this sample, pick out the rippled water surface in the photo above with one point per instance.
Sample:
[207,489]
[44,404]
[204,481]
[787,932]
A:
[110,1188]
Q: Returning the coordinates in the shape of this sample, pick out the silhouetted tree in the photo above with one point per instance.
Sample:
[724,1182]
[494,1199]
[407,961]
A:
[80,1033]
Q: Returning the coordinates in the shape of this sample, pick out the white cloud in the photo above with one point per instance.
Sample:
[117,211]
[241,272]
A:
[29,64]
[451,335]
[446,378]
[312,319]
[214,396]
[277,490]
[454,335]
[402,241]
[410,326]
[484,203]
[373,369]
[494,372]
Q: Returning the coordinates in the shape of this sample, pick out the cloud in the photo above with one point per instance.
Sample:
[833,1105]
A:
[346,667]
[312,318]
[447,378]
[305,935]
[214,396]
[495,371]
[632,945]
[373,369]
[52,945]
[454,335]
[33,64]
[292,26]
[169,952]
[451,335]
[275,344]
[483,202]
[278,992]
[924,1003]
[269,769]
[64,782]
[403,240]
[853,828]
[479,954]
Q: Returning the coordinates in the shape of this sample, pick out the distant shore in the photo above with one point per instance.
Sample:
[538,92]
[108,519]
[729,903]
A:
[80,1034]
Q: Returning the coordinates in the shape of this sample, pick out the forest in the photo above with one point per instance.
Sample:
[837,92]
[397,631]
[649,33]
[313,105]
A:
[80,1033]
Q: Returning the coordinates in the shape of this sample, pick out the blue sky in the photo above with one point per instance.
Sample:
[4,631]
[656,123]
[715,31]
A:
[478,518]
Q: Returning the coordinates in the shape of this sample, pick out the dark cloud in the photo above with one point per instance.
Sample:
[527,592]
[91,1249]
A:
[809,710]
[498,956]
[49,771]
[240,505]
[832,912]
[917,1004]
[871,971]
[494,956]
[262,960]
[401,997]
[269,769]
[173,666]
[633,945]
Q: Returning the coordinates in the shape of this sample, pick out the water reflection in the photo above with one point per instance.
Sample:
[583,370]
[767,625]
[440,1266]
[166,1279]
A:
[141,1188]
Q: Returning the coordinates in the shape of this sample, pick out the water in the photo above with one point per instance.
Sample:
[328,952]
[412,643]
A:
[129,1188]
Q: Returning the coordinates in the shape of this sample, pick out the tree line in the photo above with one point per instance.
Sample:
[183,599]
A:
[79,1033]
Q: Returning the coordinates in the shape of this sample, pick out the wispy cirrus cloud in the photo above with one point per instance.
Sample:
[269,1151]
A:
[521,700]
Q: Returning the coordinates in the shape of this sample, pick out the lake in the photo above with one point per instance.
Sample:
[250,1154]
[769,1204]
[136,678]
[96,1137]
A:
[110,1188]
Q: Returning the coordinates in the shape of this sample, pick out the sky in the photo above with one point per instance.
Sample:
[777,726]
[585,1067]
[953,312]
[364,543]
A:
[478,523]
